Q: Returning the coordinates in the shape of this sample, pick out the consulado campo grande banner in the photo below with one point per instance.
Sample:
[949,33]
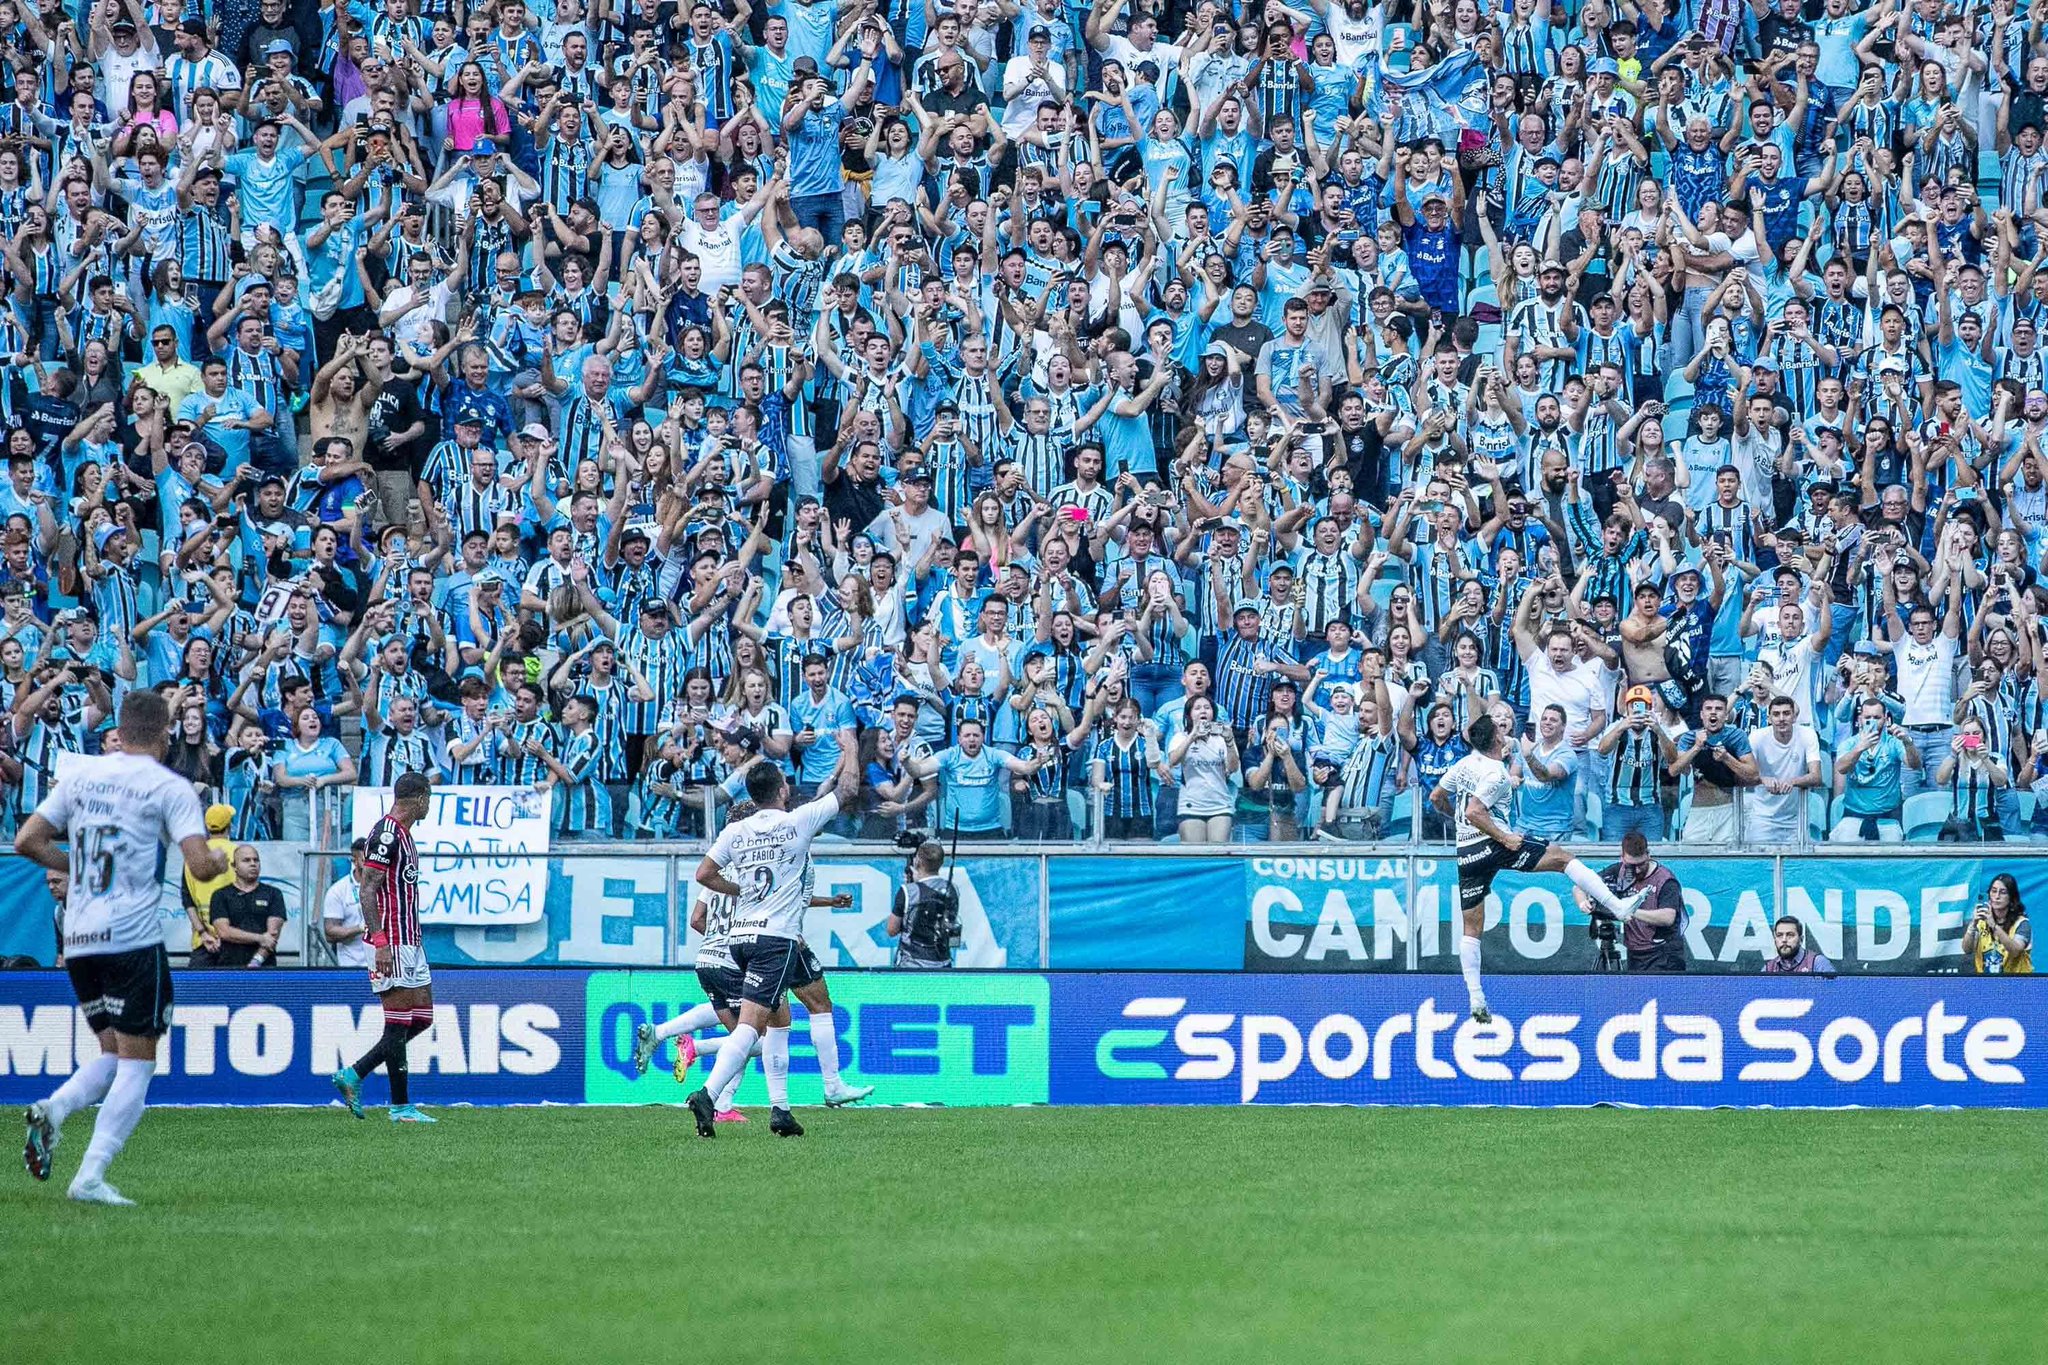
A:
[1362,913]
[563,1035]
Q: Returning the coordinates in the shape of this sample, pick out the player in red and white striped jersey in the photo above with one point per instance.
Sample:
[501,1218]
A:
[400,976]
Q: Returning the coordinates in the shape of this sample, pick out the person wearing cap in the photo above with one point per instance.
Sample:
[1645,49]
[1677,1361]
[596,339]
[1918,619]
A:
[1432,240]
[1035,76]
[1633,753]
[120,48]
[1247,666]
[1791,656]
[266,185]
[1545,325]
[654,653]
[197,893]
[197,66]
[913,526]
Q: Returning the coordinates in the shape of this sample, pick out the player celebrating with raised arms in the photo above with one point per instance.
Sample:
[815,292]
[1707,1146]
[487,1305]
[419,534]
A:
[764,863]
[115,811]
[1478,790]
[399,976]
[720,979]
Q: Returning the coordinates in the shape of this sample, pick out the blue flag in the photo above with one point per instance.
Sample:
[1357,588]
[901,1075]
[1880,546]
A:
[1447,98]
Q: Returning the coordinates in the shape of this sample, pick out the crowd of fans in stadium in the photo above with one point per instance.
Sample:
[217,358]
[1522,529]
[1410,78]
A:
[1082,421]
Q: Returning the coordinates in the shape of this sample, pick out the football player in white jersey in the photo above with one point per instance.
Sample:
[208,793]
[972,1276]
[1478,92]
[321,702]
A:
[1478,791]
[721,981]
[764,863]
[115,812]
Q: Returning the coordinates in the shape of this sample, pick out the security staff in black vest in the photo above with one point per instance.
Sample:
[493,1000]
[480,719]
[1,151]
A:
[925,921]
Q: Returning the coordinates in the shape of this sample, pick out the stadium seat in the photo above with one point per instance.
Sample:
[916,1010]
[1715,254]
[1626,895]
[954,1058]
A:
[1402,816]
[1925,814]
[1989,171]
[1817,803]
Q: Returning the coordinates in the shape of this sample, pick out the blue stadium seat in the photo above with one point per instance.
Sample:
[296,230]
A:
[1989,172]
[1925,814]
[1402,816]
[1817,804]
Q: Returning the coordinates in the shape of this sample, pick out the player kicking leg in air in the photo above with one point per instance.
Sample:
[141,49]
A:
[1477,791]
[115,811]
[400,977]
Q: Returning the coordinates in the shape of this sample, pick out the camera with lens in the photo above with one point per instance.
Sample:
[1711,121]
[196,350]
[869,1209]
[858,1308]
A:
[928,906]
[1604,929]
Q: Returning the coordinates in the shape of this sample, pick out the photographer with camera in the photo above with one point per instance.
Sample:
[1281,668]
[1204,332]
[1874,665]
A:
[1655,935]
[925,920]
[1999,940]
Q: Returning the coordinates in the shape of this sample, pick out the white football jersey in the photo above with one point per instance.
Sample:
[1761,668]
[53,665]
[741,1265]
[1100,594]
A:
[769,855]
[1476,775]
[117,811]
[718,910]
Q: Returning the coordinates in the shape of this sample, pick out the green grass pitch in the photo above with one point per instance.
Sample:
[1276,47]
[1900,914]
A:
[1132,1235]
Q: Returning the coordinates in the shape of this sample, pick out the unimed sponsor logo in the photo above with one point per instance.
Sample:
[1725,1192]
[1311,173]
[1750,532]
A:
[1776,1039]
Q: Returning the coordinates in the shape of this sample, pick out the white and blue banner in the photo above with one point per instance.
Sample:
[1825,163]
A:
[563,1036]
[478,850]
[606,910]
[1363,912]
[1578,1040]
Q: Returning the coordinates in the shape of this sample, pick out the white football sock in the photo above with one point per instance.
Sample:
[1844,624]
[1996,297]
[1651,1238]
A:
[689,1021]
[825,1041]
[122,1110]
[88,1085]
[1589,881]
[723,1100]
[1468,964]
[775,1065]
[732,1058]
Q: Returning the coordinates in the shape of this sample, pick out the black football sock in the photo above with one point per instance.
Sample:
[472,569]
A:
[395,1066]
[374,1058]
